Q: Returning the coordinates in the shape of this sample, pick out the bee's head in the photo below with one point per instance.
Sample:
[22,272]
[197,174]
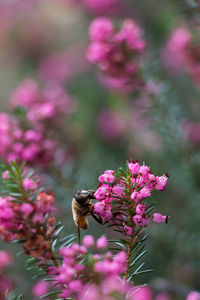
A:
[81,196]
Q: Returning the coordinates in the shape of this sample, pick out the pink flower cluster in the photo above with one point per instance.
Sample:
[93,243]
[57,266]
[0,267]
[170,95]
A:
[129,193]
[83,275]
[40,288]
[27,219]
[34,138]
[193,296]
[117,53]
[44,106]
[24,144]
[181,52]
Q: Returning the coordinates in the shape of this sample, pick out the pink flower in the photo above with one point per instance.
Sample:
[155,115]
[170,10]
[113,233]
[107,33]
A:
[130,33]
[128,230]
[25,94]
[107,215]
[75,285]
[145,192]
[40,288]
[100,29]
[47,110]
[5,259]
[144,170]
[102,243]
[136,197]
[140,209]
[29,184]
[65,251]
[6,213]
[143,293]
[110,172]
[158,218]
[26,208]
[140,221]
[88,241]
[38,219]
[120,257]
[101,193]
[193,296]
[161,182]
[45,201]
[179,39]
[118,191]
[107,177]
[115,51]
[99,207]
[96,52]
[134,168]
[6,174]
[32,135]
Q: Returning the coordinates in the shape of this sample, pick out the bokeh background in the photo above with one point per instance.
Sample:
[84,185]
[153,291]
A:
[45,42]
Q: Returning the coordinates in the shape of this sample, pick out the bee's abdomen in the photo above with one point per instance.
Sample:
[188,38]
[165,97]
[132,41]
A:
[81,222]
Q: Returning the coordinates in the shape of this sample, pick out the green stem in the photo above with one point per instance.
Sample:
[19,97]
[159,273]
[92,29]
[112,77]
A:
[131,240]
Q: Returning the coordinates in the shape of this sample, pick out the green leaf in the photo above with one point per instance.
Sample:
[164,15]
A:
[114,249]
[53,246]
[150,208]
[59,230]
[137,270]
[144,271]
[66,241]
[51,294]
[56,227]
[137,258]
[117,243]
[118,230]
[39,275]
[20,253]
[29,173]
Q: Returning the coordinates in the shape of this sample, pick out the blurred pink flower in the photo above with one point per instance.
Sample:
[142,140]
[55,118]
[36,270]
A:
[5,259]
[88,241]
[143,293]
[193,296]
[40,288]
[117,53]
[174,53]
[102,243]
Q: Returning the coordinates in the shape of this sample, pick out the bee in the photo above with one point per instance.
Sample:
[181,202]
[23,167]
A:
[82,207]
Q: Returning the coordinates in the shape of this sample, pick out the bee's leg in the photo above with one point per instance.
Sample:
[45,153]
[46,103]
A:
[79,235]
[97,219]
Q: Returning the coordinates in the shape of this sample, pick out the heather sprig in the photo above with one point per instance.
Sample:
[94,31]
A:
[30,132]
[26,213]
[87,270]
[117,52]
[123,202]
